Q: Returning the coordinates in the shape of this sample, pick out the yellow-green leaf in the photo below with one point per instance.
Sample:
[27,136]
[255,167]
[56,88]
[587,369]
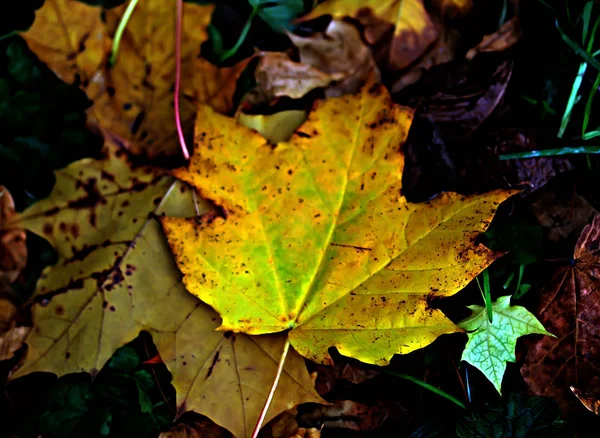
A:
[115,276]
[317,238]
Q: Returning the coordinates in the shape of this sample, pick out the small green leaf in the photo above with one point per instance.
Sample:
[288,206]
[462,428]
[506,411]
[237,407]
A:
[491,346]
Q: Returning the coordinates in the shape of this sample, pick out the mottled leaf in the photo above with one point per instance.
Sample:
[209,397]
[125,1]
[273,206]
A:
[115,277]
[317,238]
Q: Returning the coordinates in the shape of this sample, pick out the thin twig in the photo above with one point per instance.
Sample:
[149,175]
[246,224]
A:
[265,408]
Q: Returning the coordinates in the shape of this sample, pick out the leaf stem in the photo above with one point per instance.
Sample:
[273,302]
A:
[265,408]
[232,51]
[178,31]
[114,51]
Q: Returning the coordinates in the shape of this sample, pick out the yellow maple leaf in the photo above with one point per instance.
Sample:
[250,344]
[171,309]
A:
[134,97]
[317,238]
[115,277]
[414,31]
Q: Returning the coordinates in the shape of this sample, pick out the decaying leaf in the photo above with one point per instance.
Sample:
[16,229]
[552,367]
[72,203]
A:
[340,52]
[115,277]
[569,308]
[504,38]
[13,247]
[590,402]
[336,60]
[348,415]
[317,238]
[414,31]
[492,344]
[13,257]
[278,76]
[134,97]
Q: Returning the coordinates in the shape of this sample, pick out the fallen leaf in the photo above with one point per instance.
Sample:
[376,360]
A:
[134,97]
[340,52]
[569,308]
[13,247]
[504,38]
[278,76]
[13,257]
[316,237]
[414,31]
[115,277]
[277,127]
[491,345]
[303,432]
[562,212]
[589,401]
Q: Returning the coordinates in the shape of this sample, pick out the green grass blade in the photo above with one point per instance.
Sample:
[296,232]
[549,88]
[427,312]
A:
[551,152]
[427,386]
[582,53]
[573,98]
[588,106]
[114,51]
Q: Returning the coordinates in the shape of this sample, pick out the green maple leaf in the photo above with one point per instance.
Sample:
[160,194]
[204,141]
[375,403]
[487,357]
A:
[492,345]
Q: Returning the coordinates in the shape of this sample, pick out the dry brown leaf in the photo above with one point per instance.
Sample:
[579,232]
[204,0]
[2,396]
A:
[347,414]
[307,433]
[590,402]
[453,8]
[414,30]
[13,257]
[13,247]
[134,98]
[278,76]
[504,38]
[569,308]
[338,51]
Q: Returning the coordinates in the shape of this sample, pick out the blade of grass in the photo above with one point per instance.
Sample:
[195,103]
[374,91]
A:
[573,98]
[427,386]
[114,51]
[508,281]
[485,294]
[575,47]
[551,152]
[588,106]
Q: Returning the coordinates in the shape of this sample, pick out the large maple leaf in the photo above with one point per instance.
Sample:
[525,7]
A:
[569,308]
[316,237]
[133,98]
[115,277]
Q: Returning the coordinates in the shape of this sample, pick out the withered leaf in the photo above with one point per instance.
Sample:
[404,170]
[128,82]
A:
[570,309]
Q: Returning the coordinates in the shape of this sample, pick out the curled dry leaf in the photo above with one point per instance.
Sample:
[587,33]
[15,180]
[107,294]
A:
[340,52]
[192,425]
[317,238]
[115,277]
[336,60]
[504,38]
[134,97]
[569,308]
